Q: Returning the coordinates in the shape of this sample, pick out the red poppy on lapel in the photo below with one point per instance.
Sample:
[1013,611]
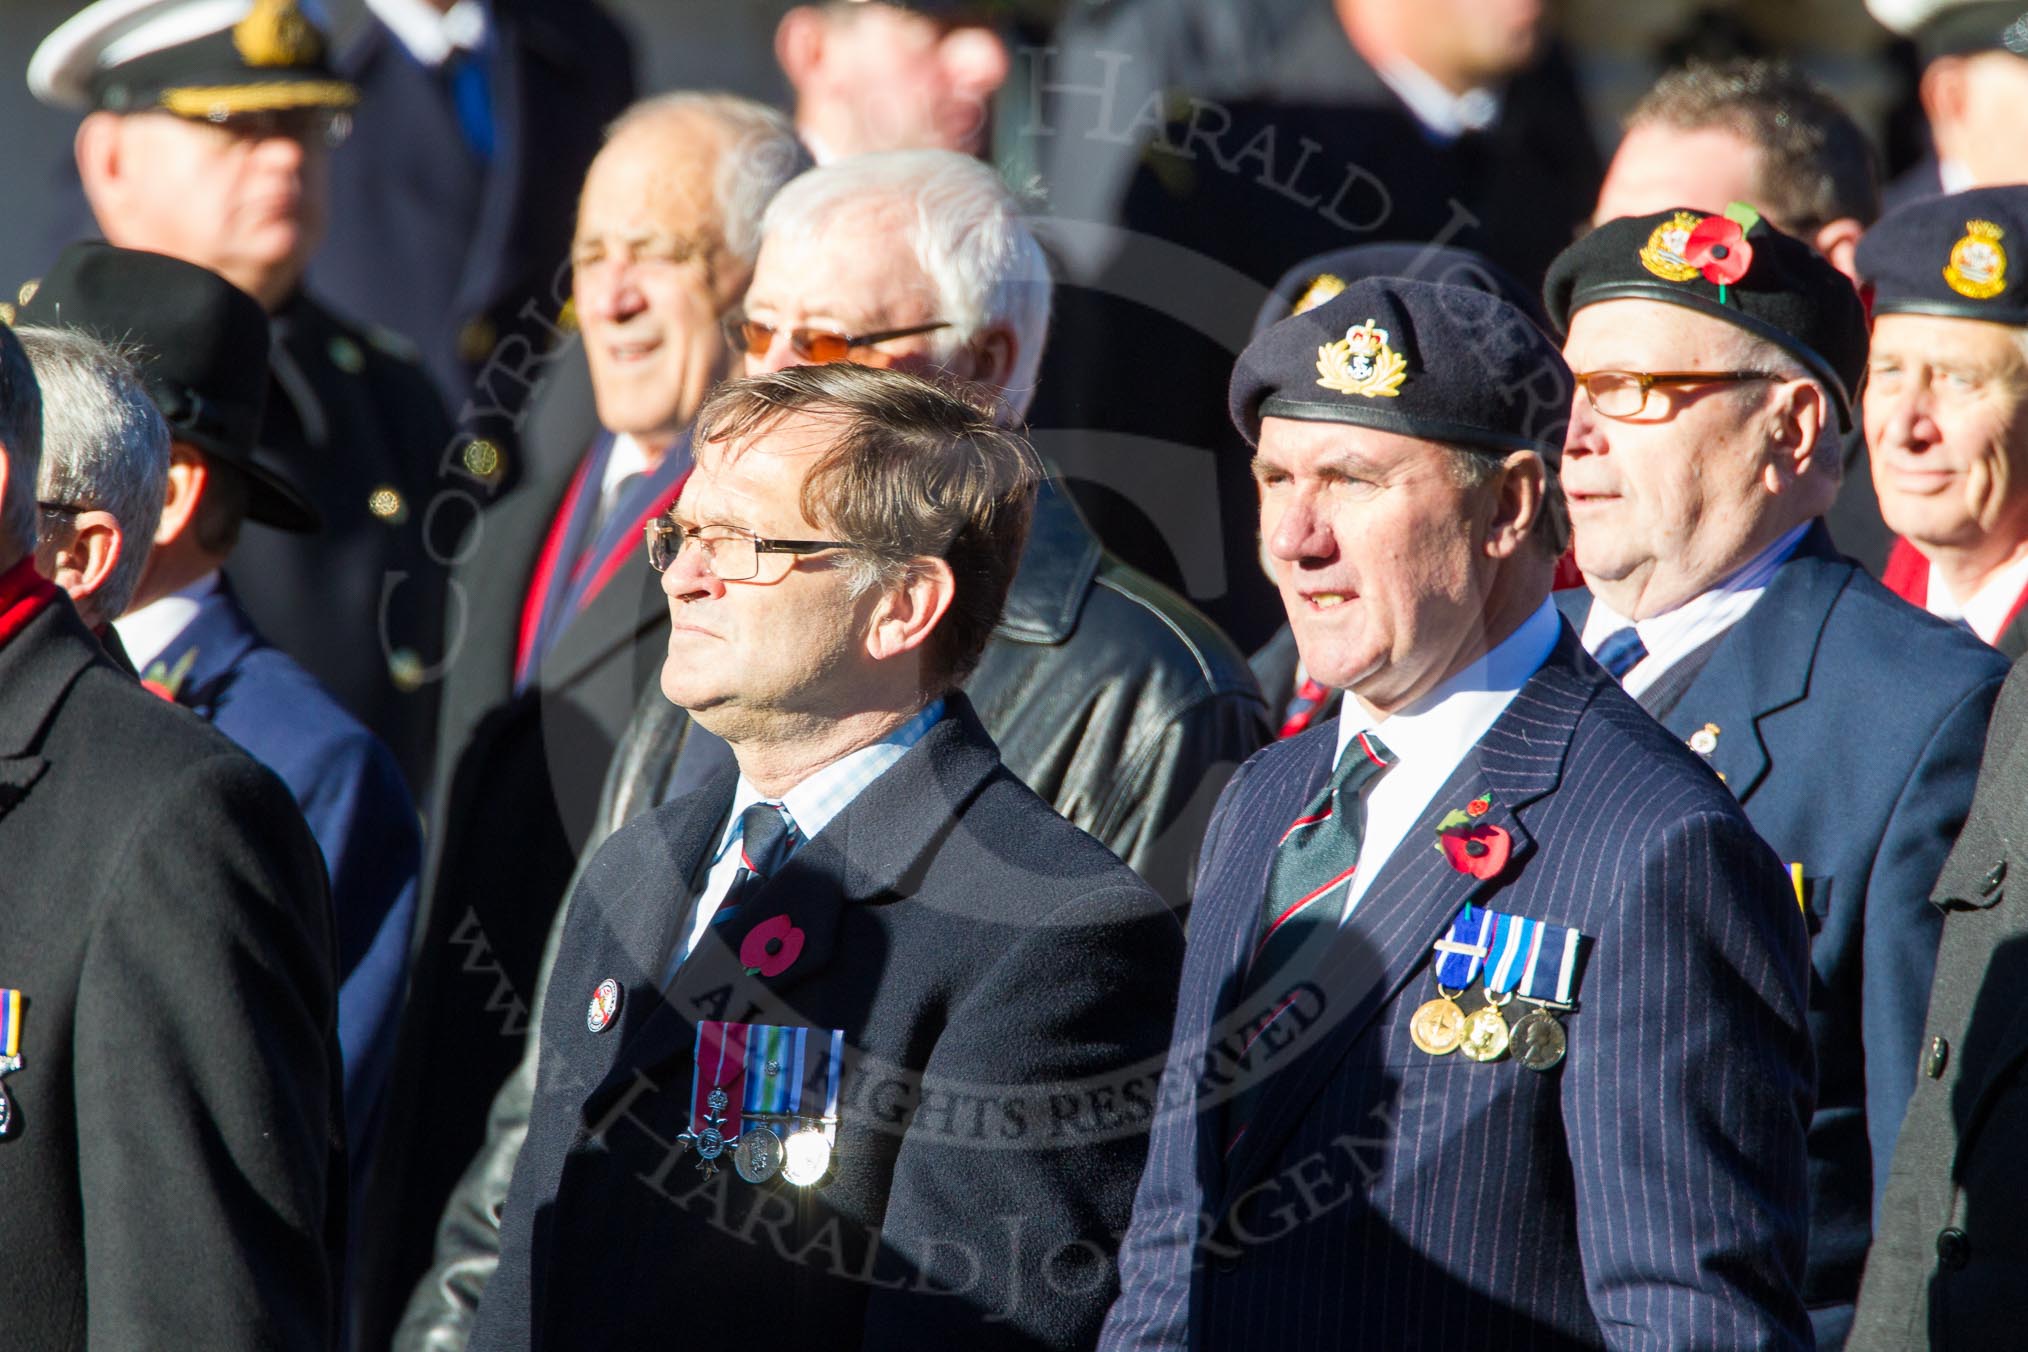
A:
[773,946]
[1478,849]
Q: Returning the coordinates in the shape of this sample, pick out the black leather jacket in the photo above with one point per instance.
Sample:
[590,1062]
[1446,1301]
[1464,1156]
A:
[1108,695]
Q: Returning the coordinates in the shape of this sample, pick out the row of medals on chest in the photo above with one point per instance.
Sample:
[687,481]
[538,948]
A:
[1443,1025]
[796,1149]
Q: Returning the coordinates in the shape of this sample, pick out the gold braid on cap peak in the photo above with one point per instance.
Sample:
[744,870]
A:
[209,101]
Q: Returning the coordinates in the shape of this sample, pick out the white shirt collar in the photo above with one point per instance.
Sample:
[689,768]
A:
[1444,115]
[146,633]
[1953,177]
[1985,610]
[1432,737]
[432,36]
[1453,717]
[627,457]
[1675,634]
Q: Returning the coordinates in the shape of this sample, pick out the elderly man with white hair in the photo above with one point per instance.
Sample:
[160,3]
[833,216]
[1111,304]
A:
[556,625]
[105,466]
[1107,694]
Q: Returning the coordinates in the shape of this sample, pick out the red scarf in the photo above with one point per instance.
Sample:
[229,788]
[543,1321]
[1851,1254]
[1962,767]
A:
[24,594]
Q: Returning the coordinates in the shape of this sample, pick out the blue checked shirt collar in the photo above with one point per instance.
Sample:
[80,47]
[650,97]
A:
[812,804]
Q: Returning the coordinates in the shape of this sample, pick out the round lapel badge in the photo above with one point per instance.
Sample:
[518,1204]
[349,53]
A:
[605,1006]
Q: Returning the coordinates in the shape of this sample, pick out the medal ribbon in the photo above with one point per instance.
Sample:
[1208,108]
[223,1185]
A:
[1461,953]
[737,1057]
[1552,965]
[10,1024]
[722,1048]
[1512,951]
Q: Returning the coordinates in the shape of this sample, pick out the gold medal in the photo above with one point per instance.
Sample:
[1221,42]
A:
[1485,1035]
[1438,1026]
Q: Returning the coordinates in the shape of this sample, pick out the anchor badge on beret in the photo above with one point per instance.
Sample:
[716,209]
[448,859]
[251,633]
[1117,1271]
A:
[1362,363]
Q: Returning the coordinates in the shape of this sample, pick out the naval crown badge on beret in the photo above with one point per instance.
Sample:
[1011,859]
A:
[1978,264]
[1362,363]
[276,33]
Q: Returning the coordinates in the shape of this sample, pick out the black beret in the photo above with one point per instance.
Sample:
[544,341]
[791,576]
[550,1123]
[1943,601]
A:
[1950,256]
[1315,280]
[1786,292]
[1444,363]
[202,347]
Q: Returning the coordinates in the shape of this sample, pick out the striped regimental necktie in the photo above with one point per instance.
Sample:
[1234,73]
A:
[1309,883]
[766,840]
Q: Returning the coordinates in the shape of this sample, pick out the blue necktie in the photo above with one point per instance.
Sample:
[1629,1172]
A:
[766,839]
[472,96]
[1621,652]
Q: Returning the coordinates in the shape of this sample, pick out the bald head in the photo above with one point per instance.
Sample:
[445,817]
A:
[668,224]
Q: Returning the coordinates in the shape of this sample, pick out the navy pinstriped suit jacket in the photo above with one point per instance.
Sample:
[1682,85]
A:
[1648,1193]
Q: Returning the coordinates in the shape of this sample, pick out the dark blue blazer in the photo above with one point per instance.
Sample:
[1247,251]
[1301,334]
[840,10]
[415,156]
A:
[351,793]
[1004,985]
[1648,1192]
[1850,726]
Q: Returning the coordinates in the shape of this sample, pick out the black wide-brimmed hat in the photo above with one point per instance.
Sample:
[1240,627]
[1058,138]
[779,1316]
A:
[1733,266]
[201,344]
[195,58]
[1423,359]
[1964,256]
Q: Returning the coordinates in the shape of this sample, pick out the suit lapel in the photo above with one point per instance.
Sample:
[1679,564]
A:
[1763,662]
[1387,939]
[870,852]
[37,667]
[622,611]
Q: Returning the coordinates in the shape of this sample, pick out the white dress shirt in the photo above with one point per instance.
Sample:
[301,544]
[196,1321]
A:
[1444,115]
[1431,737]
[1985,610]
[809,807]
[432,35]
[1675,634]
[147,633]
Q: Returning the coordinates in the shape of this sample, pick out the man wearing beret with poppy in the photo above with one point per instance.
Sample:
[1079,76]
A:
[1492,1022]
[1718,361]
[1947,406]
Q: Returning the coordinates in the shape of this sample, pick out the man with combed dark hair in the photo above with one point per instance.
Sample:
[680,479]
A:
[1747,131]
[1761,132]
[168,1074]
[768,991]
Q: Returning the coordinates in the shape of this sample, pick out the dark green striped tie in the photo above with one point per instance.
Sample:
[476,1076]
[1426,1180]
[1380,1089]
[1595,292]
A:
[1308,885]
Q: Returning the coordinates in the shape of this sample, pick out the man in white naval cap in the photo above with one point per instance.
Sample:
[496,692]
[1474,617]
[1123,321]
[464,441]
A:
[207,132]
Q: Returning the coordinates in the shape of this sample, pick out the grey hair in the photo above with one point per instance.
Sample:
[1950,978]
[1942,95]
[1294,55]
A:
[21,438]
[760,154]
[1472,470]
[971,239]
[105,448]
[1755,353]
